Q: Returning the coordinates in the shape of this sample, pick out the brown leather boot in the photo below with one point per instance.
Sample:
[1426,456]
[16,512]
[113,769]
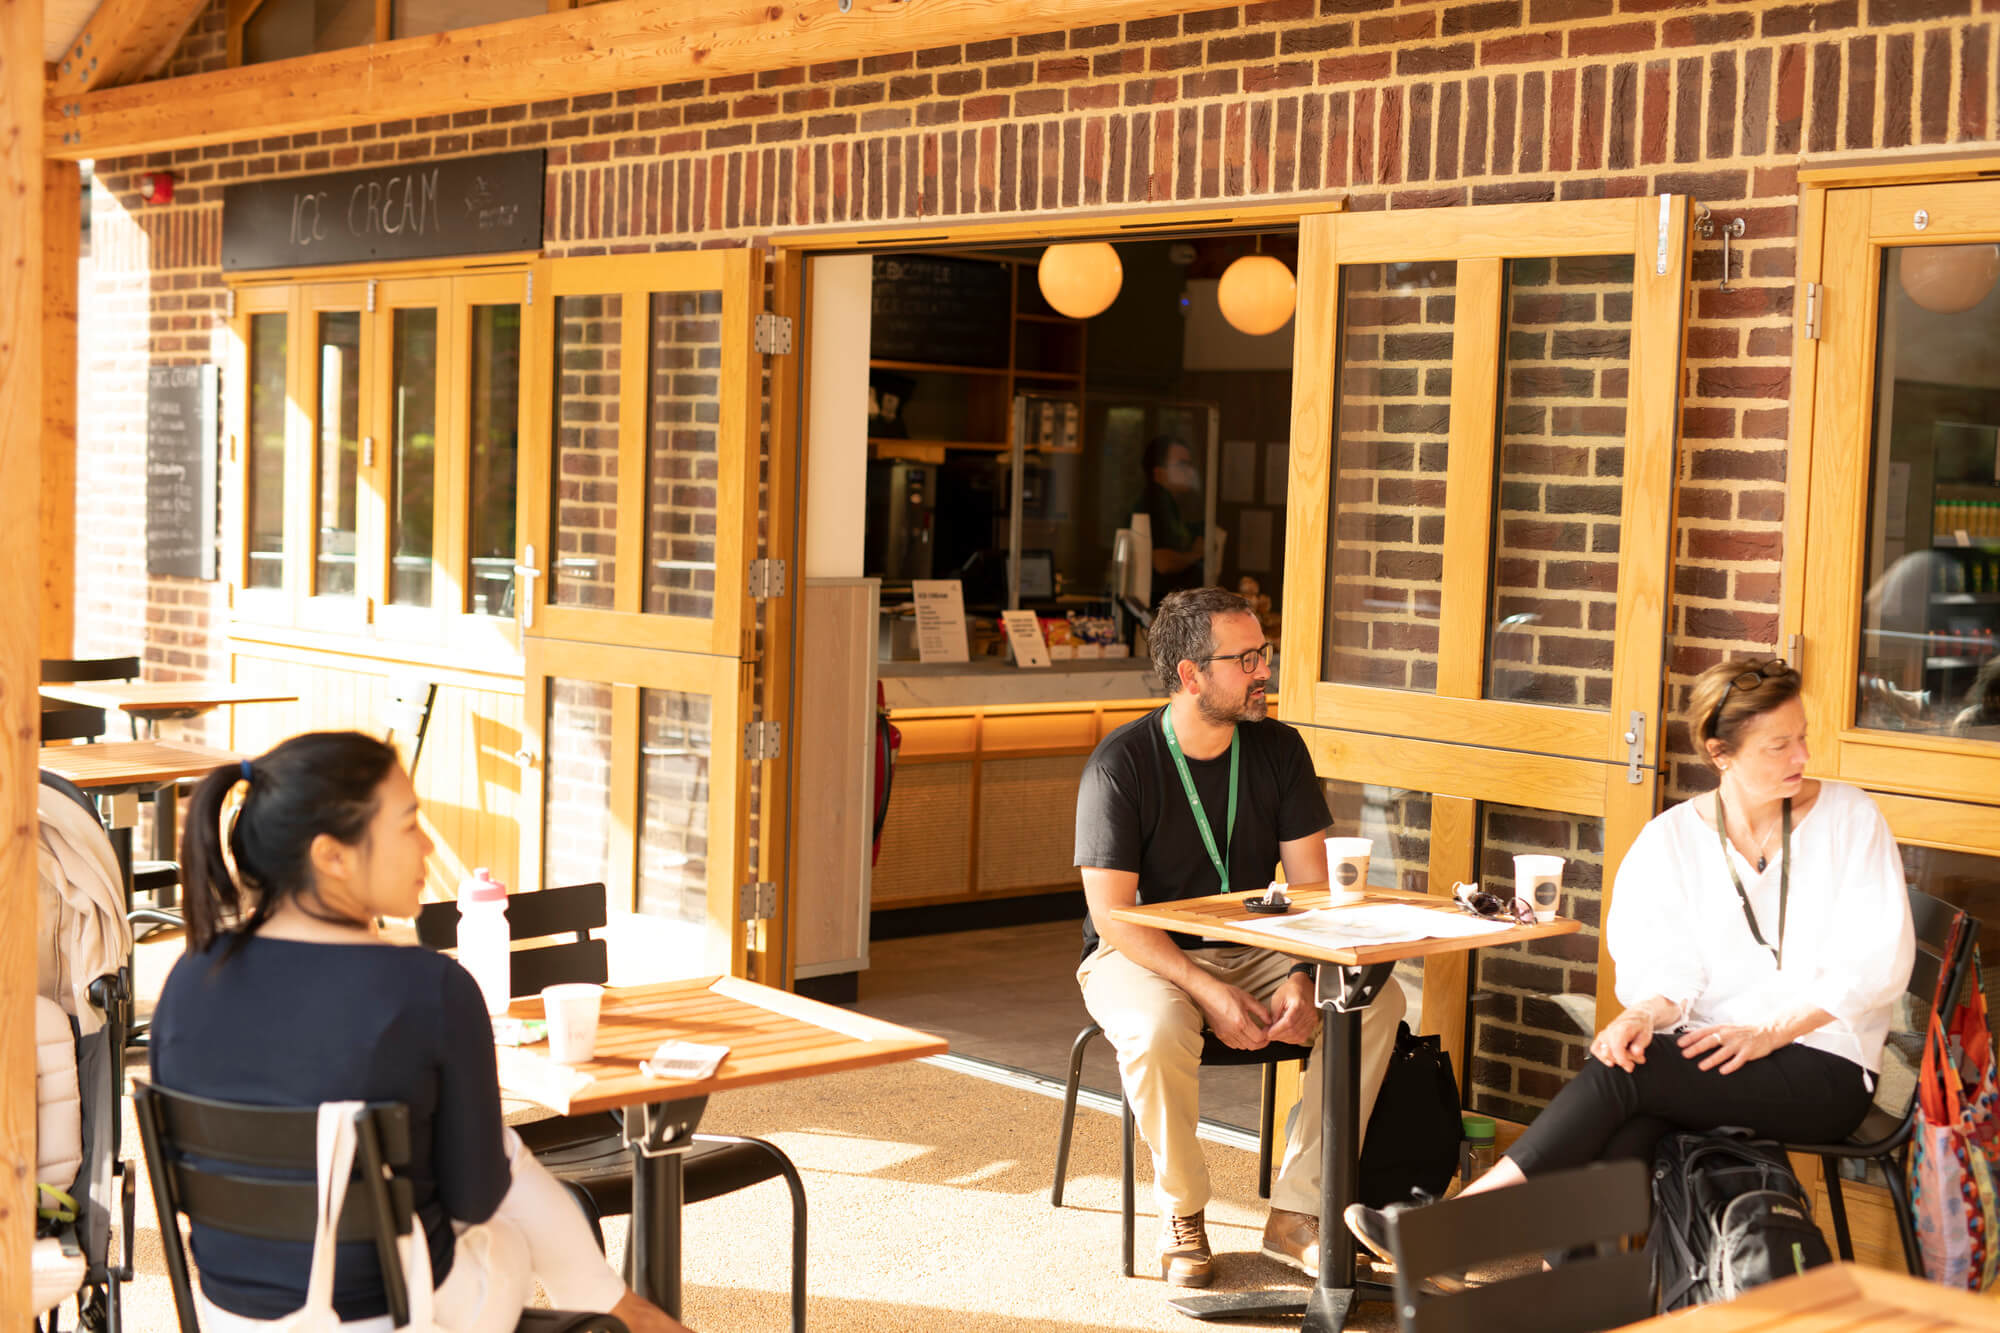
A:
[1293,1238]
[1185,1259]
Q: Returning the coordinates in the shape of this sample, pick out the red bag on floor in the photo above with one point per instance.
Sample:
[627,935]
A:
[1956,1162]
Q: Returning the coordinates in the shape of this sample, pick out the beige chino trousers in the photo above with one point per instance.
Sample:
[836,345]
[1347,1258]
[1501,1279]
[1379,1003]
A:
[1156,1029]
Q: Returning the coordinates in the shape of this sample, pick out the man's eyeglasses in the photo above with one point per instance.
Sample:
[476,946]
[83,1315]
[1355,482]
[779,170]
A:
[1471,898]
[1249,661]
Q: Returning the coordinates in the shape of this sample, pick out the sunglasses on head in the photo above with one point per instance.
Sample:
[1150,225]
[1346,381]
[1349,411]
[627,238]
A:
[1471,898]
[1775,669]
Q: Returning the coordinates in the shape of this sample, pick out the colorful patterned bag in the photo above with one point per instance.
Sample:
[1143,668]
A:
[1955,1168]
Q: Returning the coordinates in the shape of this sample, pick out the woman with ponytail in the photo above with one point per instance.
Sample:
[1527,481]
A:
[287,997]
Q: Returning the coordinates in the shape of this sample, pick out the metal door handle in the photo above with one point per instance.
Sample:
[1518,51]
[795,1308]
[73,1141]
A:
[529,571]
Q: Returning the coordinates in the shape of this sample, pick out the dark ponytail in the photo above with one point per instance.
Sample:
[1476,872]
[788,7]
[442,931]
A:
[321,782]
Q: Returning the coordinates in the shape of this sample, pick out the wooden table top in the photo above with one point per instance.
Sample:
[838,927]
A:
[1838,1298]
[1221,917]
[132,763]
[140,697]
[772,1036]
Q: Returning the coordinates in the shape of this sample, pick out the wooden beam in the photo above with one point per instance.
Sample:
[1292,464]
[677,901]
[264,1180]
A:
[62,222]
[600,48]
[125,40]
[22,89]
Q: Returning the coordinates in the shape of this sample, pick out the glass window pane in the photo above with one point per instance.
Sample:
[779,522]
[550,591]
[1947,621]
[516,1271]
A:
[282,29]
[339,359]
[1535,1004]
[576,830]
[1558,480]
[413,481]
[494,417]
[585,539]
[673,805]
[684,412]
[1399,824]
[1931,613]
[1385,556]
[264,473]
[416,18]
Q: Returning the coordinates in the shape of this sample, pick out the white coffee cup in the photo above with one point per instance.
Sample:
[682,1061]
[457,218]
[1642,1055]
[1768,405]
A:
[1539,879]
[571,1009]
[1347,867]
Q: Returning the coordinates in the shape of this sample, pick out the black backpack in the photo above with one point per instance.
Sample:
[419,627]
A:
[1414,1130]
[1728,1215]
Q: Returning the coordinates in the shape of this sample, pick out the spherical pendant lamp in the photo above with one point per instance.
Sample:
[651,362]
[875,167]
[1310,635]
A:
[1949,278]
[1257,294]
[1080,280]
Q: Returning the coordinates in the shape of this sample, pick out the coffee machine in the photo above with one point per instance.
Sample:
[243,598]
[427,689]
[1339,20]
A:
[900,538]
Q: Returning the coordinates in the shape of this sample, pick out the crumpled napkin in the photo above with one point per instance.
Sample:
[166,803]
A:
[682,1060]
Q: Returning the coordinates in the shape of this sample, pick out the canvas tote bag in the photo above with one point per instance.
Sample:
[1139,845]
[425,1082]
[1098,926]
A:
[1955,1165]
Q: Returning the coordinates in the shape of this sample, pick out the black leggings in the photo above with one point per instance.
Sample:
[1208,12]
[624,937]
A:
[1795,1095]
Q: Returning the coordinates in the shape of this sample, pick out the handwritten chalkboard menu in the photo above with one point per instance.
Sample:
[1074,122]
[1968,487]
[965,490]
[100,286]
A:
[455,206]
[180,471]
[947,311]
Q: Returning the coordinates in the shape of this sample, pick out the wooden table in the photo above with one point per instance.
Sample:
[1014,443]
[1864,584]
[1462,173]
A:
[115,768]
[1838,1298]
[772,1036]
[1349,979]
[157,701]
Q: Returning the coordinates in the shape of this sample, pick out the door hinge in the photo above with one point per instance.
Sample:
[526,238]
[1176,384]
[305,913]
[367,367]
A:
[368,451]
[1666,226]
[371,295]
[229,304]
[774,335]
[767,579]
[1813,297]
[1795,652]
[1635,748]
[763,740]
[759,902]
[531,289]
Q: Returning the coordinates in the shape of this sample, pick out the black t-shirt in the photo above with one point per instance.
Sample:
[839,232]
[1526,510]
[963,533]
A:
[1132,813]
[287,1023]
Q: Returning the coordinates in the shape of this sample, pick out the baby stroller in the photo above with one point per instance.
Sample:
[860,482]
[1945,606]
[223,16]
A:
[83,1010]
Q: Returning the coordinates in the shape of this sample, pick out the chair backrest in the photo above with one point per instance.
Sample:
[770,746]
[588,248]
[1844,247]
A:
[1596,1206]
[192,1144]
[1932,919]
[74,670]
[408,712]
[71,722]
[573,909]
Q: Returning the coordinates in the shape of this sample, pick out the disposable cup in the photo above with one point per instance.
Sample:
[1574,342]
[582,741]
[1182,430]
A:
[571,1009]
[1347,866]
[1539,879]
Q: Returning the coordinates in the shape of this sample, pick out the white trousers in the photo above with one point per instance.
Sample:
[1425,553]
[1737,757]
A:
[1156,1029]
[538,1232]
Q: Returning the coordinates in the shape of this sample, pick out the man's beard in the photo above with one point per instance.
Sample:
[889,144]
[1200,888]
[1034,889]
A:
[1251,706]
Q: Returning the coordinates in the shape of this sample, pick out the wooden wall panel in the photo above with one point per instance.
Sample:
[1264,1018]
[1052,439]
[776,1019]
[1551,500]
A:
[467,779]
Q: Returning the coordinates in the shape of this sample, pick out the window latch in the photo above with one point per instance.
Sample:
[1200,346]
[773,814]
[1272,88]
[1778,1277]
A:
[530,571]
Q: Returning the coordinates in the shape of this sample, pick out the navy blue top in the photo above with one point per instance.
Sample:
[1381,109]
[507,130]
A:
[287,1023]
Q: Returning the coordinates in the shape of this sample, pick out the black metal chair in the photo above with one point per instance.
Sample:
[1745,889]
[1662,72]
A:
[213,1163]
[80,670]
[1215,1052]
[409,713]
[71,722]
[588,1153]
[1592,1209]
[1884,1136]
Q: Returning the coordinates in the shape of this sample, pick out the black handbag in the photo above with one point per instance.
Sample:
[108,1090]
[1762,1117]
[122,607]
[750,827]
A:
[1414,1131]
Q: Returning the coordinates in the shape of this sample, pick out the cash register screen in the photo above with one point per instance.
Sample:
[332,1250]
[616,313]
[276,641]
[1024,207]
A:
[1038,575]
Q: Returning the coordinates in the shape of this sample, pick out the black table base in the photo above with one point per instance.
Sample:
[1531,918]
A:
[660,1138]
[1343,993]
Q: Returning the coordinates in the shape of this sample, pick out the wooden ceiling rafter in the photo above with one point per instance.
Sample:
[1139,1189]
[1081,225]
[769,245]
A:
[612,46]
[124,40]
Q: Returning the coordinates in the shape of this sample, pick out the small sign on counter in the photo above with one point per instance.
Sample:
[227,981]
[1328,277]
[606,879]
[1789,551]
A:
[1024,632]
[940,620]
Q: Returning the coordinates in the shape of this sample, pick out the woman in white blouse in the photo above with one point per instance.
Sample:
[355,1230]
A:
[1762,936]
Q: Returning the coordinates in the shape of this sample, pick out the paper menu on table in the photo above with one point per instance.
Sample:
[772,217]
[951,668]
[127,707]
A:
[940,620]
[1024,632]
[1372,924]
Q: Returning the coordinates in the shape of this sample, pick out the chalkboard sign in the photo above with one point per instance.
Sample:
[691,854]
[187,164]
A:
[951,311]
[454,206]
[180,471]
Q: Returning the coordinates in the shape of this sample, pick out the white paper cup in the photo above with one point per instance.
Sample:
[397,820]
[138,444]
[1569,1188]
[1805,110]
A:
[1347,866]
[571,1009]
[1539,880]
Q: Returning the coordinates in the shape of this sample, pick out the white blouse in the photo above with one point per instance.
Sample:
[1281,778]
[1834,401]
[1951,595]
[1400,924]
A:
[1676,926]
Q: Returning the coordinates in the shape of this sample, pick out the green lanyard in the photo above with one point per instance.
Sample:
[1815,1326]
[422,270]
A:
[1194,797]
[1784,878]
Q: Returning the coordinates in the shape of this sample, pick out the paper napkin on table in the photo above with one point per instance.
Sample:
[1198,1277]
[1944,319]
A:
[683,1060]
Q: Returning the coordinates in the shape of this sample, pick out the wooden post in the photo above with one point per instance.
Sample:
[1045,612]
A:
[63,226]
[21,94]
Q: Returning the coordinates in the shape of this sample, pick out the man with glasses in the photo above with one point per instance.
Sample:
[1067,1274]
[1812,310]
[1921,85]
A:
[1207,795]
